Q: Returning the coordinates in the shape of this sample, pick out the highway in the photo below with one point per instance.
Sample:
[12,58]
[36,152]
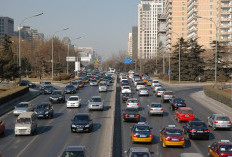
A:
[53,135]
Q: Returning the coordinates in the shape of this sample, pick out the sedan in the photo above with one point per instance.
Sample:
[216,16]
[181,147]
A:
[143,92]
[126,96]
[70,89]
[131,114]
[73,101]
[22,107]
[184,114]
[95,103]
[141,132]
[219,121]
[93,82]
[175,103]
[82,123]
[132,102]
[44,110]
[2,127]
[75,151]
[138,151]
[196,129]
[126,89]
[48,89]
[155,108]
[159,92]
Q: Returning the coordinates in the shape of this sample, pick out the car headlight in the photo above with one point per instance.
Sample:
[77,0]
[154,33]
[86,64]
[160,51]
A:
[87,125]
[50,97]
[46,112]
[60,97]
[36,112]
[74,126]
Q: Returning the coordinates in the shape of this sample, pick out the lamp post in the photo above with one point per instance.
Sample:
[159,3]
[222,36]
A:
[179,53]
[20,26]
[216,57]
[68,52]
[53,50]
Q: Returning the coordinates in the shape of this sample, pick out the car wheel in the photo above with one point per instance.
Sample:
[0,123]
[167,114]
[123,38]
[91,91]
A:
[183,145]
[72,131]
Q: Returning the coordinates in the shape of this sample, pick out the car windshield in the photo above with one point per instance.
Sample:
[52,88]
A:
[81,118]
[140,154]
[21,105]
[131,110]
[95,100]
[198,124]
[69,87]
[73,99]
[102,84]
[155,105]
[222,118]
[49,87]
[132,101]
[142,128]
[73,154]
[42,106]
[173,132]
[178,101]
[127,94]
[226,148]
[140,83]
[94,81]
[161,89]
[56,93]
[187,112]
[24,120]
[74,83]
[47,83]
[155,81]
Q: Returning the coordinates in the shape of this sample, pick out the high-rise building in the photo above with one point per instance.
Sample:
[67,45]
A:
[29,34]
[6,26]
[148,11]
[135,42]
[129,45]
[162,33]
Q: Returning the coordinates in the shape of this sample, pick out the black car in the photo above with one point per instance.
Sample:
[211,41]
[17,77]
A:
[125,82]
[126,96]
[82,123]
[57,96]
[131,114]
[70,89]
[44,110]
[48,89]
[27,83]
[175,103]
[75,151]
[196,129]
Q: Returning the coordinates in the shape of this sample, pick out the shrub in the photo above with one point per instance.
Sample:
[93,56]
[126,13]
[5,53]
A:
[65,76]
[33,75]
[56,78]
[203,78]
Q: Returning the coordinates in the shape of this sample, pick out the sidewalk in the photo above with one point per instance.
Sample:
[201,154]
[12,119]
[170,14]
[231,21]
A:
[8,106]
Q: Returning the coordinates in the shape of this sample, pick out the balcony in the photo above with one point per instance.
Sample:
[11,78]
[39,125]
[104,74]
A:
[225,19]
[192,24]
[225,5]
[192,5]
[225,33]
[225,26]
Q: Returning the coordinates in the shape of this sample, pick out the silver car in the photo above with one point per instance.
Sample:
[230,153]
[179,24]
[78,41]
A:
[132,102]
[138,151]
[93,82]
[95,103]
[160,92]
[155,87]
[219,121]
[167,95]
[102,87]
[22,107]
[143,91]
[155,108]
[75,84]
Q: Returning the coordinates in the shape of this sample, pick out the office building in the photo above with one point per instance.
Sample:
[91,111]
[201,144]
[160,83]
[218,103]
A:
[129,45]
[6,26]
[135,42]
[161,33]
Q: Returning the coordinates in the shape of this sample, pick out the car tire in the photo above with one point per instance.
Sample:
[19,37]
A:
[72,131]
[183,146]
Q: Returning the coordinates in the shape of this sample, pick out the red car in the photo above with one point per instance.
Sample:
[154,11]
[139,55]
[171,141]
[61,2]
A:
[184,114]
[2,127]
[220,149]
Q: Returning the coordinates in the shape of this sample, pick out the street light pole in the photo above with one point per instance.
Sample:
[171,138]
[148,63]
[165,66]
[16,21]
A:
[53,51]
[20,27]
[179,53]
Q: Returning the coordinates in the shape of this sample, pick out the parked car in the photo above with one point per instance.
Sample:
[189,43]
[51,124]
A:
[131,114]
[184,114]
[159,92]
[75,84]
[155,108]
[138,152]
[82,123]
[196,129]
[73,101]
[75,151]
[2,127]
[27,83]
[95,103]
[70,89]
[167,95]
[143,92]
[44,110]
[221,121]
[132,102]
[23,107]
[175,103]
[57,96]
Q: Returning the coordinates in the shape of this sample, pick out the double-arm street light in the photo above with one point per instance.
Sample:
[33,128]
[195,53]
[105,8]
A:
[216,53]
[53,50]
[179,53]
[20,27]
[68,51]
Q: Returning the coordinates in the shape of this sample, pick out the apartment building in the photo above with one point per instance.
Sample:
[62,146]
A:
[148,11]
[6,26]
[129,45]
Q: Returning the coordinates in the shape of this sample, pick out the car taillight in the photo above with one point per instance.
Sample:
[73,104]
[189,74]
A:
[131,97]
[159,92]
[137,115]
[216,122]
[206,130]
[150,135]
[229,122]
[137,104]
[174,104]
[147,91]
[192,130]
[182,139]
[127,104]
[124,97]
[184,105]
[126,115]
[134,135]
[151,109]
[167,138]
[161,109]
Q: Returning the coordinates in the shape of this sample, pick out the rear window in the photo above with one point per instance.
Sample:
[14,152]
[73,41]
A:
[132,101]
[173,132]
[155,105]
[168,93]
[226,148]
[95,100]
[155,81]
[198,125]
[126,87]
[222,118]
[22,105]
[187,112]
[140,154]
[73,99]
[140,83]
[24,120]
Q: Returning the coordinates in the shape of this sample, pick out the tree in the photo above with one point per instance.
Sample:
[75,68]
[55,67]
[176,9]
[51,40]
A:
[8,61]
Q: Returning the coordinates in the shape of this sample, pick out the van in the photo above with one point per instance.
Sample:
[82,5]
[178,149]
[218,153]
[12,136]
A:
[26,124]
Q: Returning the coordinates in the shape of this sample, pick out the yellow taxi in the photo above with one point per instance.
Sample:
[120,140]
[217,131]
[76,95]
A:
[145,79]
[81,84]
[220,149]
[141,132]
[172,136]
[149,82]
[86,80]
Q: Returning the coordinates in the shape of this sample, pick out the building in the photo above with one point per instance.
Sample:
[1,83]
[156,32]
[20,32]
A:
[30,34]
[135,42]
[148,11]
[129,45]
[6,26]
[86,54]
[161,33]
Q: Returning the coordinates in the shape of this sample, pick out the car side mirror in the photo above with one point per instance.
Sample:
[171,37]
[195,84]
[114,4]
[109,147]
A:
[125,152]
[208,146]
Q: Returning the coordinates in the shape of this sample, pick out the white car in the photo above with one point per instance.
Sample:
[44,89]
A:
[73,101]
[126,89]
[155,82]
[133,103]
[156,87]
[140,85]
[93,82]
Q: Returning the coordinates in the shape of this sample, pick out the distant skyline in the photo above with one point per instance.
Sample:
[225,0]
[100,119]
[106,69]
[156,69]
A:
[104,25]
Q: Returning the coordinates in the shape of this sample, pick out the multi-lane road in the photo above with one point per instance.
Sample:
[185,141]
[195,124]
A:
[54,135]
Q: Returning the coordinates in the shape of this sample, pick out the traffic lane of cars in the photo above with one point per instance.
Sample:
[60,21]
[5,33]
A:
[50,132]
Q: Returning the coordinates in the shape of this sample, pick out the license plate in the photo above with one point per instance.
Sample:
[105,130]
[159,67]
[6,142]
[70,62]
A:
[174,139]
[199,131]
[131,115]
[80,129]
[40,115]
[179,104]
[143,136]
[223,126]
[186,115]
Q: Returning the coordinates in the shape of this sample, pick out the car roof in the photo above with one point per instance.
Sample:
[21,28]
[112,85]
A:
[74,96]
[186,108]
[220,115]
[191,155]
[139,149]
[155,103]
[132,99]
[96,96]
[75,148]
[26,114]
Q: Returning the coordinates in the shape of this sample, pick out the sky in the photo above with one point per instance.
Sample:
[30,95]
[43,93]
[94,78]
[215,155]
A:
[102,24]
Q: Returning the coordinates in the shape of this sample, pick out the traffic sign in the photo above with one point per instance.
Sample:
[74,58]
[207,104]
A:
[128,61]
[169,71]
[96,62]
[116,62]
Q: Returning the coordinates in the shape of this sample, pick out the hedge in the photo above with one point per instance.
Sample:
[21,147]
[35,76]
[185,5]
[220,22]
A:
[13,93]
[218,95]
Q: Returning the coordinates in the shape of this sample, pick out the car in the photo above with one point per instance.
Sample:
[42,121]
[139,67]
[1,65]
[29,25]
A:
[126,96]
[136,80]
[175,103]
[184,114]
[138,152]
[143,92]
[141,132]
[48,89]
[126,89]
[132,102]
[159,92]
[221,148]
[155,82]
[93,82]
[82,123]
[27,83]
[145,79]
[221,121]
[196,129]
[75,151]
[70,89]
[86,80]
[57,96]
[172,136]
[149,82]
[191,155]
[155,108]
[23,107]
[44,110]
[131,114]
[140,85]
[102,87]
[95,103]
[75,84]
[81,84]
[2,127]
[156,87]
[44,83]
[73,101]
[167,95]
[107,82]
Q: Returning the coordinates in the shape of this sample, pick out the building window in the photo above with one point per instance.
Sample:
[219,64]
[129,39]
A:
[211,0]
[211,13]
[210,38]
[211,6]
[210,32]
[182,13]
[211,26]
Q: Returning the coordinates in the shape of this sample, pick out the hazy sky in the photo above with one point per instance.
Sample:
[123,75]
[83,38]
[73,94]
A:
[104,23]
